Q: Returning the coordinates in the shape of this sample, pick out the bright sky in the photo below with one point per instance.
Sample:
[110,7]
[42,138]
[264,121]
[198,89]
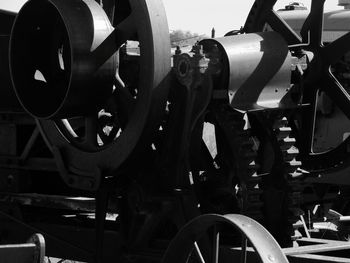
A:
[200,16]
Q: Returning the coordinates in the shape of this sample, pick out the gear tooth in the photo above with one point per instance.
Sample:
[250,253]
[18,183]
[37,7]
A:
[254,166]
[282,133]
[290,154]
[287,143]
[280,123]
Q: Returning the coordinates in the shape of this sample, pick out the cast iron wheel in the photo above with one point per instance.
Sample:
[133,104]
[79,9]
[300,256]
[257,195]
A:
[318,77]
[97,137]
[206,232]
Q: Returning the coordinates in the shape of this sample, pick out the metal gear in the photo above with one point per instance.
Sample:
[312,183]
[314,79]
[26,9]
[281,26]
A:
[291,167]
[317,78]
[236,164]
[280,185]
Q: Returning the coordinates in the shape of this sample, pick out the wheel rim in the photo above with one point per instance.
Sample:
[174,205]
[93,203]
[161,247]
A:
[187,239]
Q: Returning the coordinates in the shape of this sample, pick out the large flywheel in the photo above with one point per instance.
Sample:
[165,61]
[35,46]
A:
[315,82]
[93,105]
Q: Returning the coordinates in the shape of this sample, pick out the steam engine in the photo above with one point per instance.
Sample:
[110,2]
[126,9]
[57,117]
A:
[240,145]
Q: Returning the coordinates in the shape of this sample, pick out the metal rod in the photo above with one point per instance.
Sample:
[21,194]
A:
[216,243]
[244,249]
[198,252]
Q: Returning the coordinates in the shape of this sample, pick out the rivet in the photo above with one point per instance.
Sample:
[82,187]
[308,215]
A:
[271,258]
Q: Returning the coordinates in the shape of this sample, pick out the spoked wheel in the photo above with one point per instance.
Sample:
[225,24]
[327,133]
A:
[317,79]
[92,107]
[205,239]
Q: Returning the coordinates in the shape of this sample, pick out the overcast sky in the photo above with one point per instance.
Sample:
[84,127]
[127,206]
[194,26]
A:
[200,16]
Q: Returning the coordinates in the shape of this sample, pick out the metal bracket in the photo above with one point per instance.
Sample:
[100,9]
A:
[31,252]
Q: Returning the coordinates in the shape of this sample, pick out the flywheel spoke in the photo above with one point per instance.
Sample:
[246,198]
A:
[126,30]
[337,93]
[280,26]
[312,28]
[216,243]
[335,50]
[109,7]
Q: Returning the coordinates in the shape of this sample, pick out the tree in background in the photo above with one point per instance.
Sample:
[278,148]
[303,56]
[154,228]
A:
[180,37]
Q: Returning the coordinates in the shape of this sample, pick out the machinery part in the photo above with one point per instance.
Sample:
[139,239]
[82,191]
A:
[188,240]
[264,80]
[230,181]
[97,138]
[39,242]
[254,169]
[315,79]
[280,184]
[32,252]
[8,98]
[290,172]
[56,64]
[240,158]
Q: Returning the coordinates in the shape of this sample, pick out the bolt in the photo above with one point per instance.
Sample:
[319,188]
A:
[271,258]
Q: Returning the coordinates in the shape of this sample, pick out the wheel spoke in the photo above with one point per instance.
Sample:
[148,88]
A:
[109,7]
[312,28]
[244,249]
[337,93]
[258,22]
[280,26]
[216,242]
[307,126]
[68,127]
[91,131]
[335,50]
[198,253]
[122,11]
[126,30]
